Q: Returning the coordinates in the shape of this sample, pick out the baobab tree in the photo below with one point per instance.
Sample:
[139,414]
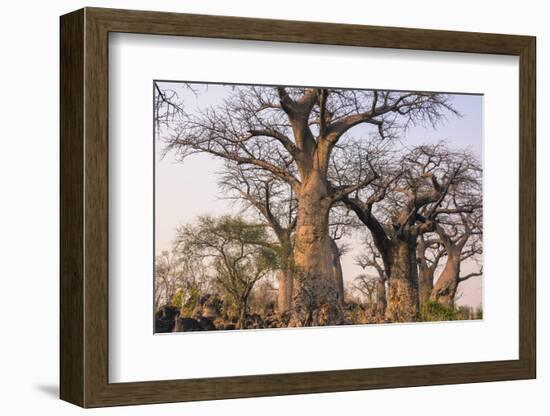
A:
[457,236]
[293,133]
[462,241]
[274,201]
[411,199]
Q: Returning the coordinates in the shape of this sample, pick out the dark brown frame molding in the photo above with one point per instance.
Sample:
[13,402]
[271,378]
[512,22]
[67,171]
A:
[84,210]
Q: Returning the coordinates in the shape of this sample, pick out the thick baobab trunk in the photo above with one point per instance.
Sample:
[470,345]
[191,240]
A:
[337,273]
[402,291]
[315,298]
[445,287]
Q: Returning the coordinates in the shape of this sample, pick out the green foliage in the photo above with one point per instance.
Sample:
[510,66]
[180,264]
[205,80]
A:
[186,300]
[432,311]
[177,298]
[237,252]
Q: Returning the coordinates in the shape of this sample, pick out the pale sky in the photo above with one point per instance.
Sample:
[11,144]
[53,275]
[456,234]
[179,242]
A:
[189,189]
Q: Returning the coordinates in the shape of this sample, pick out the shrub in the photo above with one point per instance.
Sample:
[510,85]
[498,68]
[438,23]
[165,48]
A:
[433,311]
[177,298]
[187,301]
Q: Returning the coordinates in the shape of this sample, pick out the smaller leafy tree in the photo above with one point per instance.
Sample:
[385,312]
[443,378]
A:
[238,253]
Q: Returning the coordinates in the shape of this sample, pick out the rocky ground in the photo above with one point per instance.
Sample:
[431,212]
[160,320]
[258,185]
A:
[207,317]
[169,319]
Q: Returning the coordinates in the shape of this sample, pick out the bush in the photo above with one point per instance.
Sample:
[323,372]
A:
[177,298]
[433,311]
[187,301]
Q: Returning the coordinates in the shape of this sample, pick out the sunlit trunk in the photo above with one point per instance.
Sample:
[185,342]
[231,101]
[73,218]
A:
[444,290]
[402,291]
[315,298]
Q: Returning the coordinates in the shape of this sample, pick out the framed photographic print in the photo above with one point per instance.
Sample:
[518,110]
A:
[256,207]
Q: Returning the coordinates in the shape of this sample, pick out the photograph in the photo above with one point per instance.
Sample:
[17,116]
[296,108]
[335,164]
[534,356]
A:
[292,206]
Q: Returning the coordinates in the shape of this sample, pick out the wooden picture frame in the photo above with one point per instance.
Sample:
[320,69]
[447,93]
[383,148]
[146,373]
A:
[84,207]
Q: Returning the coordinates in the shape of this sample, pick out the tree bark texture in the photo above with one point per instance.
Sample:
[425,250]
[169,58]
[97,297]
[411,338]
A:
[315,298]
[445,288]
[425,283]
[426,270]
[402,291]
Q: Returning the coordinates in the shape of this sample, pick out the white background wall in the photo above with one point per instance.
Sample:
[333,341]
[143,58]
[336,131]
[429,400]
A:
[29,206]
